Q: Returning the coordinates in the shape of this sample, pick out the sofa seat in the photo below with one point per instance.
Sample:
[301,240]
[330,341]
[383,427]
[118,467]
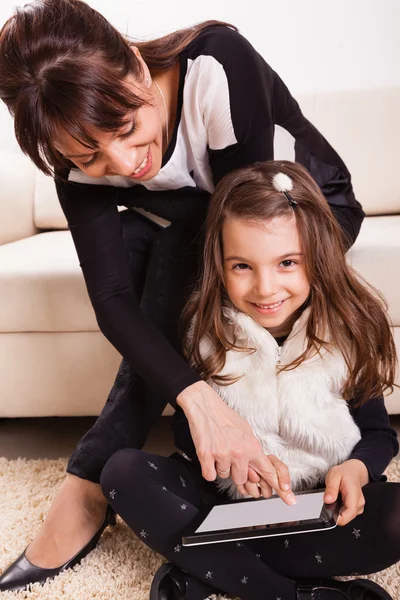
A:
[42,286]
[46,317]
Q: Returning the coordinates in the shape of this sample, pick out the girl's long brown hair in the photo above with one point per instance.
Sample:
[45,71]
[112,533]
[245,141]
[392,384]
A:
[341,302]
[64,67]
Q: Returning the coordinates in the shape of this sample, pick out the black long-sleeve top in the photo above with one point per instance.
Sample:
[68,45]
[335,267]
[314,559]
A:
[229,104]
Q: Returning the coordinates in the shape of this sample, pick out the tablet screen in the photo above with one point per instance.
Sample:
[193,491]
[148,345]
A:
[262,512]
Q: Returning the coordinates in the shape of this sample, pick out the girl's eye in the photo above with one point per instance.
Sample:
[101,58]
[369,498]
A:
[240,267]
[288,263]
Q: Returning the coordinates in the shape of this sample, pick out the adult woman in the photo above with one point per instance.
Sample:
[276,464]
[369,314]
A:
[155,126]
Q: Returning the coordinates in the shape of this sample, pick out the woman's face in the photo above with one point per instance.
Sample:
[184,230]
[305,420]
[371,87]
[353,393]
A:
[134,151]
[264,271]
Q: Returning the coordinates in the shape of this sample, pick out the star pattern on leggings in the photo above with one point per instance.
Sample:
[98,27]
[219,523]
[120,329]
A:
[244,580]
[319,558]
[356,533]
[209,575]
[112,494]
[183,482]
[239,544]
[177,548]
[143,534]
[286,543]
[153,466]
[183,506]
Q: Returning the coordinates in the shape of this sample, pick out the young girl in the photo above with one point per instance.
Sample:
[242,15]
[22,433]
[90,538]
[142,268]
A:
[295,342]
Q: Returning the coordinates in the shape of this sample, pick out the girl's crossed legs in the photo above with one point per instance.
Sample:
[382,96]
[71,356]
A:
[158,496]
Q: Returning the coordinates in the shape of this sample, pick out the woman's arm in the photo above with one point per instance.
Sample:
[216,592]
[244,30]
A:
[259,100]
[95,225]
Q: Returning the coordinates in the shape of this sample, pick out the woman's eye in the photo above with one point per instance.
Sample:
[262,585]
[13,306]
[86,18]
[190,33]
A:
[89,163]
[241,267]
[288,263]
[131,131]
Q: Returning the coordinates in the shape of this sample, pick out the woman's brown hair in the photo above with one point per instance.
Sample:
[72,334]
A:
[63,67]
[341,302]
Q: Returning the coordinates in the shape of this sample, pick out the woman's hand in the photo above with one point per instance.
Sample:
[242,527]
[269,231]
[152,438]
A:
[225,443]
[347,479]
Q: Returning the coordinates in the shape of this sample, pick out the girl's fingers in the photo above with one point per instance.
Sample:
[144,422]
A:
[265,489]
[253,475]
[282,472]
[351,496]
[252,489]
[332,484]
[270,480]
[241,489]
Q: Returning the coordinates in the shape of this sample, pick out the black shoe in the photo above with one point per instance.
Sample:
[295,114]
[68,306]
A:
[171,583]
[22,572]
[357,589]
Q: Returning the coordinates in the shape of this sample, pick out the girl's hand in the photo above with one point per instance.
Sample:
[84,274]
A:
[256,487]
[224,441]
[347,479]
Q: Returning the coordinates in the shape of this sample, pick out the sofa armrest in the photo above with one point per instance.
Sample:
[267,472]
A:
[17,185]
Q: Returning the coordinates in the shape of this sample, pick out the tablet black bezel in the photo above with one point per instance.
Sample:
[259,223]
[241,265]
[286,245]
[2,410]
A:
[327,520]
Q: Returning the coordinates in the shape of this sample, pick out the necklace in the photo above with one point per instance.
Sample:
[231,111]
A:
[165,107]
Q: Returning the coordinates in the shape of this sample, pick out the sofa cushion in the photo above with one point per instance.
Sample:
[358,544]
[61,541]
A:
[17,185]
[376,256]
[48,212]
[42,288]
[364,128]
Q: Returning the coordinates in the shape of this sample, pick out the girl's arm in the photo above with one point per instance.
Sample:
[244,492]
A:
[368,460]
[378,444]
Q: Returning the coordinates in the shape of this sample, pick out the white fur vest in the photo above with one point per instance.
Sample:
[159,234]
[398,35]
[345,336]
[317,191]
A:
[298,415]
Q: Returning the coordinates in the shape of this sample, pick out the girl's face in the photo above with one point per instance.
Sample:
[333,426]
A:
[264,271]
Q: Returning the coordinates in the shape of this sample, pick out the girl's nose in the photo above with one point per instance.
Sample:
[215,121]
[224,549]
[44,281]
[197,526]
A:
[266,286]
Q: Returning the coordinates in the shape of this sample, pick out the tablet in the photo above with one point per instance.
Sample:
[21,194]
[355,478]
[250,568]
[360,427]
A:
[263,517]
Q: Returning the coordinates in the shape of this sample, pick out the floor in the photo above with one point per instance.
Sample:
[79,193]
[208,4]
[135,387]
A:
[57,437]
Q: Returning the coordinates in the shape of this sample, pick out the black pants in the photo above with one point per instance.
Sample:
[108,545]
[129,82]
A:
[164,265]
[159,496]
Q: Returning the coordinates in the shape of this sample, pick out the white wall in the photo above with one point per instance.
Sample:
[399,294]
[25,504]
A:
[313,44]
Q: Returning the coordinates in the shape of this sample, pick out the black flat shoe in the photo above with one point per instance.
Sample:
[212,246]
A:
[22,572]
[171,583]
[357,589]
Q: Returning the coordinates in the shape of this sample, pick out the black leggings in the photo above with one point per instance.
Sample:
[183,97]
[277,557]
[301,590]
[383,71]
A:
[159,496]
[163,265]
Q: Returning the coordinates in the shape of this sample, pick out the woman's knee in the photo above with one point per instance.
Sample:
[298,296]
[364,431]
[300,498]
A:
[123,466]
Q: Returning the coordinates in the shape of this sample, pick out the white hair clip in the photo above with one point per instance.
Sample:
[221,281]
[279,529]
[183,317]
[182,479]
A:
[282,183]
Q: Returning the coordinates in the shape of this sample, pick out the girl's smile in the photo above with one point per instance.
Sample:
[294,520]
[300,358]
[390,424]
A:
[264,270]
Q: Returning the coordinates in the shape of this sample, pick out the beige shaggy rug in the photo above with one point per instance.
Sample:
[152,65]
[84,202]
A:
[120,568]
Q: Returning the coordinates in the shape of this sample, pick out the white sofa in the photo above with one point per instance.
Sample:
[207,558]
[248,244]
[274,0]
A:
[53,359]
